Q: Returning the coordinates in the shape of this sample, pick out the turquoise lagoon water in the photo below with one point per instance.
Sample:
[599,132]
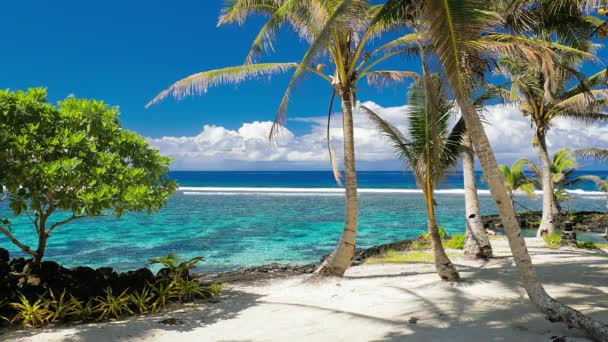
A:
[238,219]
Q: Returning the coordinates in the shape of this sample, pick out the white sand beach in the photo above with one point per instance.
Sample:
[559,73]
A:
[387,302]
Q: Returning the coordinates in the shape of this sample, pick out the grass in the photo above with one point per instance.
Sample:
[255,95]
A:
[394,257]
[553,241]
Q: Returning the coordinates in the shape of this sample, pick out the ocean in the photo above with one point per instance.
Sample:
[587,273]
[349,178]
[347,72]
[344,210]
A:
[240,218]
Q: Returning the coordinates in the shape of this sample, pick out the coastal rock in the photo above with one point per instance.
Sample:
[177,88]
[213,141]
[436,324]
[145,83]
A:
[586,221]
[4,255]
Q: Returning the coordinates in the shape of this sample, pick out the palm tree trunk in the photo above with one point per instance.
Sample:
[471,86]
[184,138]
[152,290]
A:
[477,245]
[337,263]
[547,223]
[554,310]
[444,267]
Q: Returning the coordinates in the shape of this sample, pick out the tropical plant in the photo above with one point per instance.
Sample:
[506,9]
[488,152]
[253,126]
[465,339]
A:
[163,293]
[516,180]
[429,150]
[2,306]
[188,289]
[142,300]
[338,32]
[30,314]
[553,240]
[463,35]
[60,308]
[177,268]
[71,162]
[455,242]
[111,306]
[216,289]
[563,175]
[546,98]
[81,310]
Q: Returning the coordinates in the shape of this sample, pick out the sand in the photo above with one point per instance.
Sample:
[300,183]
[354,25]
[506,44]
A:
[385,302]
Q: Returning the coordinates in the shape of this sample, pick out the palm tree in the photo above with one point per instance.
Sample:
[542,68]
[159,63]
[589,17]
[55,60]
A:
[430,150]
[516,180]
[545,99]
[338,32]
[460,33]
[563,168]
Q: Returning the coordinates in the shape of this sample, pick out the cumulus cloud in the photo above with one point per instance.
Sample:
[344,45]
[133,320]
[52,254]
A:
[218,148]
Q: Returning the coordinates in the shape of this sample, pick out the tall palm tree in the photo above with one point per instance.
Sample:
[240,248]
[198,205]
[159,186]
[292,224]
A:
[338,32]
[477,244]
[429,150]
[459,31]
[545,99]
[516,180]
[600,154]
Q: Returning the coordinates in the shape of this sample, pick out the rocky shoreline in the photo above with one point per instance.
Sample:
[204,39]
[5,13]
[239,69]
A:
[584,221]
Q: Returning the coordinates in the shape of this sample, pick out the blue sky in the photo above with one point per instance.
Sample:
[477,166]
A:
[125,52]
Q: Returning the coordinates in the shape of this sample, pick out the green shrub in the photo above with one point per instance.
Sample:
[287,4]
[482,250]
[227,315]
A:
[216,289]
[142,300]
[456,242]
[113,306]
[80,309]
[587,245]
[177,267]
[163,293]
[553,240]
[30,314]
[59,307]
[443,234]
[188,290]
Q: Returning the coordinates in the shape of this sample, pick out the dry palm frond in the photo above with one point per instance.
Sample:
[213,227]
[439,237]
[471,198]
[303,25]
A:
[382,78]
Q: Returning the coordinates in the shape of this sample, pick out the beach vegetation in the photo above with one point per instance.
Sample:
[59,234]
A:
[72,161]
[177,267]
[142,300]
[163,294]
[587,245]
[189,289]
[112,306]
[430,148]
[216,289]
[553,241]
[456,241]
[60,307]
[83,310]
[30,313]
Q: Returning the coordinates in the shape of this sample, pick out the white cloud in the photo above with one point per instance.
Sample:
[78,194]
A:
[218,148]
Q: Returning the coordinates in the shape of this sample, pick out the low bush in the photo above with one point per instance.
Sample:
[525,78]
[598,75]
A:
[587,245]
[553,241]
[456,242]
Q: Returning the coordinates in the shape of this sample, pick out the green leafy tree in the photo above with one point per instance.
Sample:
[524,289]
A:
[338,32]
[64,163]
[430,150]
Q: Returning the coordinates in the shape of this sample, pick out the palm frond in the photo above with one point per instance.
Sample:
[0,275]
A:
[399,143]
[199,83]
[592,153]
[236,11]
[383,78]
[340,20]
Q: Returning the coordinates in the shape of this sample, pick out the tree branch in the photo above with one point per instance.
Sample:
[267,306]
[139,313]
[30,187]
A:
[23,247]
[70,219]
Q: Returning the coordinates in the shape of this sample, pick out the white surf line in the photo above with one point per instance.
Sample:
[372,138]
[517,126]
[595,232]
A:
[278,190]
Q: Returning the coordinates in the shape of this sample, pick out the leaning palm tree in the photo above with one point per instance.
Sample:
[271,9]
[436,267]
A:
[462,35]
[545,99]
[338,32]
[429,150]
[516,180]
